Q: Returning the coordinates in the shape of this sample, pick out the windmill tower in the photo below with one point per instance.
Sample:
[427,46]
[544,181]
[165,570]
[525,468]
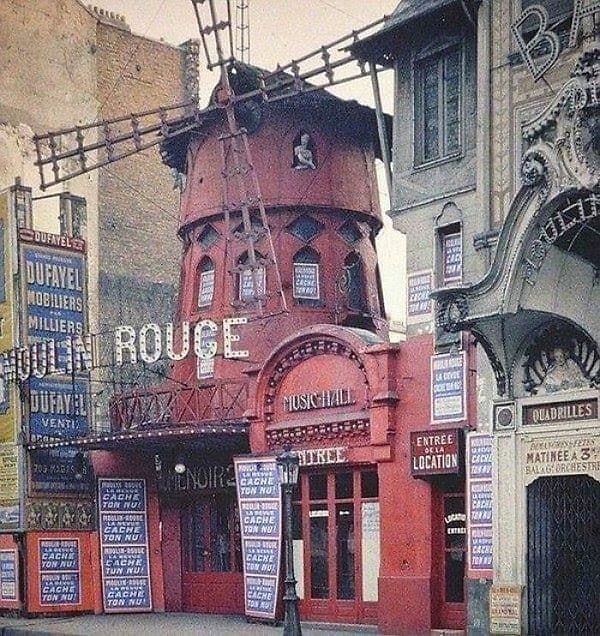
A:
[279,204]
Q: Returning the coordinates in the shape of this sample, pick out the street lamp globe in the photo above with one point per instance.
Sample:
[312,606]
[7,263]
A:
[288,465]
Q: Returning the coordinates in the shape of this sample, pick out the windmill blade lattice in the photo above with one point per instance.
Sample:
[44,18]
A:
[67,153]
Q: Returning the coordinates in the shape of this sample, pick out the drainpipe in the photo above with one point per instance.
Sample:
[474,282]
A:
[484,107]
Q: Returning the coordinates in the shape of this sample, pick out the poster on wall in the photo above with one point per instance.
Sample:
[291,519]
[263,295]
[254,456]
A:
[480,504]
[8,575]
[60,576]
[452,258]
[419,304]
[8,416]
[9,405]
[124,550]
[9,486]
[259,501]
[448,387]
[54,297]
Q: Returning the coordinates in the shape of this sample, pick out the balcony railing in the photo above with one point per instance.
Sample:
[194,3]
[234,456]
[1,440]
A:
[222,401]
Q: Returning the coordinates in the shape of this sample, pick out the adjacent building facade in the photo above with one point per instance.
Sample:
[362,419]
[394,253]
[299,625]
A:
[495,151]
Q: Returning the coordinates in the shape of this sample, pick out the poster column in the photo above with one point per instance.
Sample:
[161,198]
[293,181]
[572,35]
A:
[259,500]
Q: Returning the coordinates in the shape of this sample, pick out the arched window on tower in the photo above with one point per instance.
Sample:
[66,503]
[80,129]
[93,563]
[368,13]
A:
[206,282]
[306,286]
[250,280]
[354,283]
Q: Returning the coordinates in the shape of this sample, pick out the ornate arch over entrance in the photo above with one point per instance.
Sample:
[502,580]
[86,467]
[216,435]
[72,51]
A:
[547,263]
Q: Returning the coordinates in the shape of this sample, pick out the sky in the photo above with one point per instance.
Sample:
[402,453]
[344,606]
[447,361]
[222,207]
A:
[280,31]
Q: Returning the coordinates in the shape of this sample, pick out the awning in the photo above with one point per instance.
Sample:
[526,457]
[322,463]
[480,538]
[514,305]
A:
[231,437]
[376,47]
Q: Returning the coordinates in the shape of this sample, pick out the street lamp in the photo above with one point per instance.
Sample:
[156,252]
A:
[288,467]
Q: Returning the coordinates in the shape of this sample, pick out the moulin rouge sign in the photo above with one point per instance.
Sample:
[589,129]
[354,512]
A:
[77,353]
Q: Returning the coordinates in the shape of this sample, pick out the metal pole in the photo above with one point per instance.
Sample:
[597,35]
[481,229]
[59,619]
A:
[291,619]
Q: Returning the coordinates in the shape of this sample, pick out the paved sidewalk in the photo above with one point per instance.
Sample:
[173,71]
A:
[161,625]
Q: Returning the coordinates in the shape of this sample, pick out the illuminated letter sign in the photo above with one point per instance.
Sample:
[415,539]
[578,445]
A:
[541,37]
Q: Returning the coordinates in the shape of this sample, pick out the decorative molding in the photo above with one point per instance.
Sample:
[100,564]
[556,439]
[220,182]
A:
[560,357]
[564,138]
[354,432]
[53,514]
[452,311]
[318,346]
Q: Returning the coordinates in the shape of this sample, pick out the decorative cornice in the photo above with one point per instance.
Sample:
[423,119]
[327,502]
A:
[354,431]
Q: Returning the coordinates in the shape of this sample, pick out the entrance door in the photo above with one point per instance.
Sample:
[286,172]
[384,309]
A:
[337,526]
[449,554]
[563,555]
[211,558]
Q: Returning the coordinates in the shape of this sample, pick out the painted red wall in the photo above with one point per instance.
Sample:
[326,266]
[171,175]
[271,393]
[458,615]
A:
[88,565]
[405,506]
[345,177]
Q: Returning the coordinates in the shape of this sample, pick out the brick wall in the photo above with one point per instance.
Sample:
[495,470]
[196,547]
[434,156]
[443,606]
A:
[137,206]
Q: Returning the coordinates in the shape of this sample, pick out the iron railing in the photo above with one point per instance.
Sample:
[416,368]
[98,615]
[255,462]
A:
[223,400]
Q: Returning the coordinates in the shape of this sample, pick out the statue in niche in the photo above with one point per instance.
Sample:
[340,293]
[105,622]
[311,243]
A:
[563,373]
[179,179]
[304,152]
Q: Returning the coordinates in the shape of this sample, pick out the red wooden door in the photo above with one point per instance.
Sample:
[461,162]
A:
[211,564]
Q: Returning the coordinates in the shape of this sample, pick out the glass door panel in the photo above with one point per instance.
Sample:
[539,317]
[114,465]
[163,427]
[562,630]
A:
[345,550]
[319,553]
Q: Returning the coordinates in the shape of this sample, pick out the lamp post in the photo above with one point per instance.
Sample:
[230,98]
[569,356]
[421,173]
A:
[288,467]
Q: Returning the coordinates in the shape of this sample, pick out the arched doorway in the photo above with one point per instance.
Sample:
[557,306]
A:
[563,556]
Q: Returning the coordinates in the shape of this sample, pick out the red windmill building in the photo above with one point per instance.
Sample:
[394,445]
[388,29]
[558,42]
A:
[279,338]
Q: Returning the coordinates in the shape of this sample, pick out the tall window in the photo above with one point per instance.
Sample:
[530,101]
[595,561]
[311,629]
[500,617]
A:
[354,283]
[251,280]
[438,88]
[306,286]
[206,282]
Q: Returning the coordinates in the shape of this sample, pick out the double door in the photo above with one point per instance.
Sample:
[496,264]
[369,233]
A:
[336,541]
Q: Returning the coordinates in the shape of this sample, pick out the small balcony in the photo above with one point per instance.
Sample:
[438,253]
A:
[220,402]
